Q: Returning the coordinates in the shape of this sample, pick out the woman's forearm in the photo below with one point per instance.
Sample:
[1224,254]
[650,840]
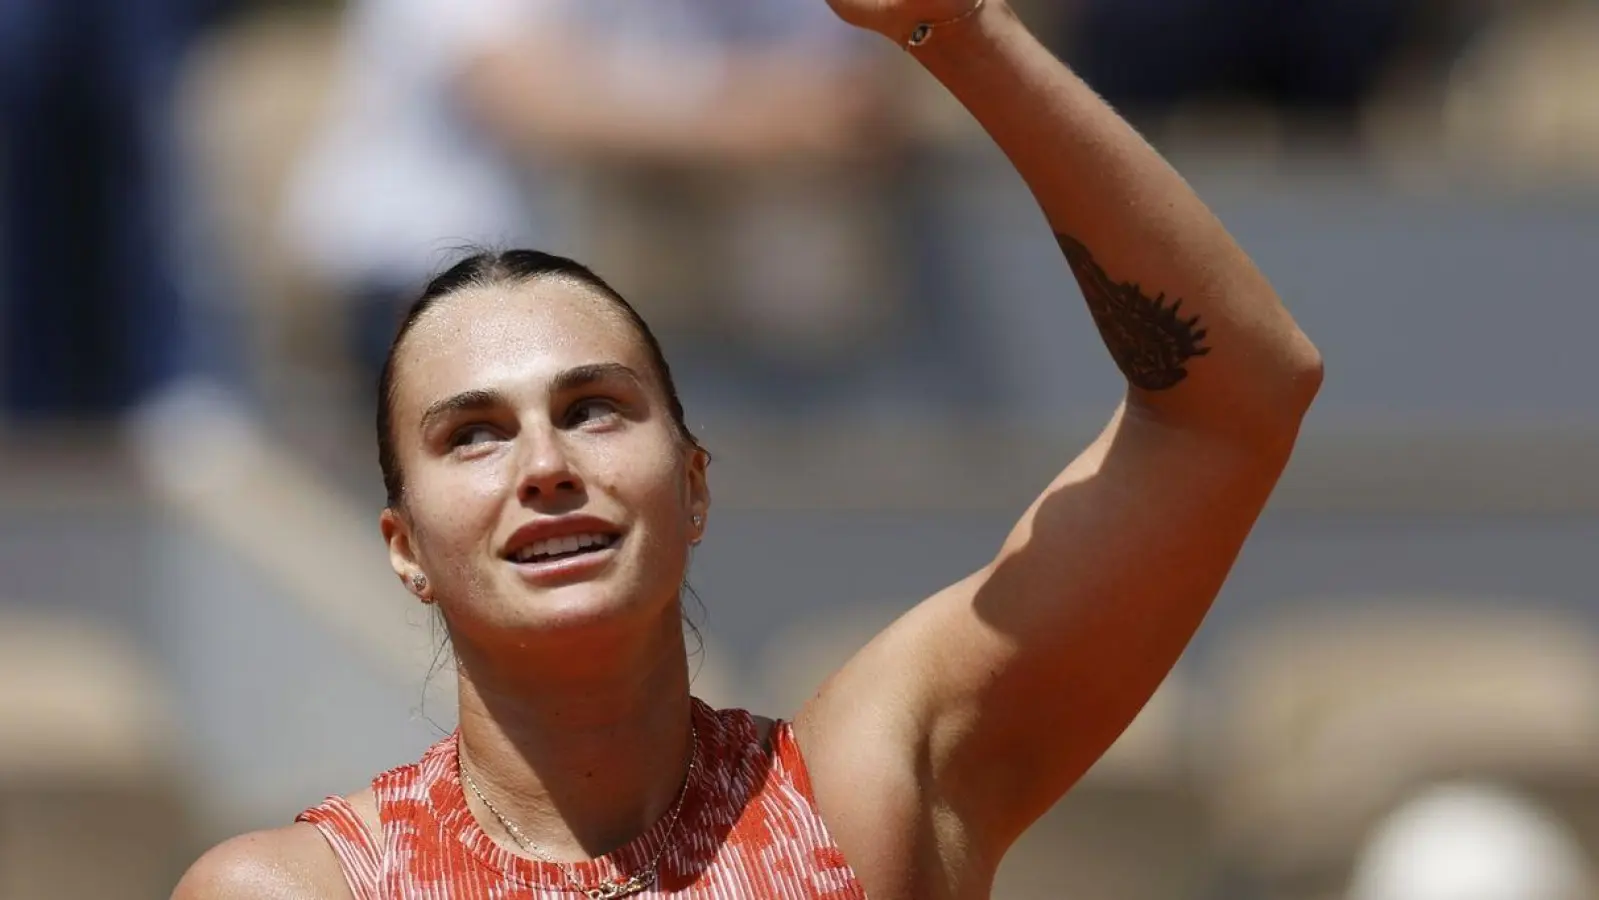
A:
[1195,327]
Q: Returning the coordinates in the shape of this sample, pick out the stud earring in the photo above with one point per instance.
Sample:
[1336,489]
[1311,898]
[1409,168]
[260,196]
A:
[419,584]
[699,521]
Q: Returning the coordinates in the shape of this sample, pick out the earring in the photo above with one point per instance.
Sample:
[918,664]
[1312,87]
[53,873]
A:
[419,584]
[699,521]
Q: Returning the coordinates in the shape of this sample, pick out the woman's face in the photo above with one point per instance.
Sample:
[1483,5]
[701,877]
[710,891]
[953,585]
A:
[546,486]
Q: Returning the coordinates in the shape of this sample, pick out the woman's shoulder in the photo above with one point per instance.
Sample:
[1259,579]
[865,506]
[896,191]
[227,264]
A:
[276,864]
[295,861]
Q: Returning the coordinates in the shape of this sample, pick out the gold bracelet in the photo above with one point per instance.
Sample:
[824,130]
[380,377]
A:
[924,31]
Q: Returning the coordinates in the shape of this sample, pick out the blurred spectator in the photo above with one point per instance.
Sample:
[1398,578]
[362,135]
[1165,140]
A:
[94,318]
[707,157]
[1472,842]
[1523,94]
[1323,57]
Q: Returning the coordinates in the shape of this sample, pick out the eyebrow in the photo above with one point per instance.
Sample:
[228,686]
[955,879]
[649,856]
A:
[567,380]
[583,376]
[466,401]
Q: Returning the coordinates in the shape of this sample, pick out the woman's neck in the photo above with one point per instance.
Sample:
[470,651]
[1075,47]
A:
[581,760]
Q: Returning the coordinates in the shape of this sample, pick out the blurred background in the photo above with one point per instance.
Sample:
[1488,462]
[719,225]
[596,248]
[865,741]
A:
[212,210]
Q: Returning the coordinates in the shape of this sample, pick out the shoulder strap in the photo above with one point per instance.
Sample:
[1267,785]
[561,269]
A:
[793,762]
[359,852]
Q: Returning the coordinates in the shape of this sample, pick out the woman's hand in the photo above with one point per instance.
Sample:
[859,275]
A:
[896,19]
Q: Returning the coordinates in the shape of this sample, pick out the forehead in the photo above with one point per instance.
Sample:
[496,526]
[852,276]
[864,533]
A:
[511,337]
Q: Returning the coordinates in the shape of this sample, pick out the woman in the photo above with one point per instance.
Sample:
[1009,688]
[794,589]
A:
[545,494]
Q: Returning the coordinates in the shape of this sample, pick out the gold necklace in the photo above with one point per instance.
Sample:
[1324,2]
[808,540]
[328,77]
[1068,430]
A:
[610,890]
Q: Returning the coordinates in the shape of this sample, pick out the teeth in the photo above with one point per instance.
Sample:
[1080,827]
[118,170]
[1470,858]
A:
[557,546]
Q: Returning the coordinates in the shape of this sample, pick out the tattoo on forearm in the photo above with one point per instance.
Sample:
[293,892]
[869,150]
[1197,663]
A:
[1148,340]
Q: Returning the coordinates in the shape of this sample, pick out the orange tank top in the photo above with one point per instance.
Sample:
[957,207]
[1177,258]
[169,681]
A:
[748,830]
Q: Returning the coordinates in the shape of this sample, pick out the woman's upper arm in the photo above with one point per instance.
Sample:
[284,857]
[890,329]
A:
[995,695]
[292,863]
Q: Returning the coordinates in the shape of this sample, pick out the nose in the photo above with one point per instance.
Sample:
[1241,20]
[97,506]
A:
[547,472]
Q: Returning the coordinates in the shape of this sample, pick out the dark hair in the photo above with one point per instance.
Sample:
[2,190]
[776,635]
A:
[490,269]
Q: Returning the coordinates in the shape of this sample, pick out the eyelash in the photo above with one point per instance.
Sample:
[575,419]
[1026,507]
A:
[458,439]
[611,408]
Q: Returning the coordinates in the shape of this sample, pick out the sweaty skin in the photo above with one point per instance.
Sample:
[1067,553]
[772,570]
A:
[937,745]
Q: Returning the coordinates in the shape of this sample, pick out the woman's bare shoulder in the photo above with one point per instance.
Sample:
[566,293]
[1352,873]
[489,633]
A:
[277,864]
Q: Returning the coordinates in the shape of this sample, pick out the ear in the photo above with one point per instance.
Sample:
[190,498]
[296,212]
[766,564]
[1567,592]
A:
[699,488]
[402,550]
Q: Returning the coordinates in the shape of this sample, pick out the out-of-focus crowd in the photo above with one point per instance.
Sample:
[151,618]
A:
[233,199]
[246,192]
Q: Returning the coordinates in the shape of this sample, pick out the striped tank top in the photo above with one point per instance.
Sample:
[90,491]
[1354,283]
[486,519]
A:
[748,830]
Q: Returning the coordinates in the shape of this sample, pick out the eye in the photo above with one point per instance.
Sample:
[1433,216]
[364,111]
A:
[473,434]
[590,410]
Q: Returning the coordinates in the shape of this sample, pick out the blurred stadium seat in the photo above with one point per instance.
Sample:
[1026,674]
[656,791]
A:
[91,801]
[1323,723]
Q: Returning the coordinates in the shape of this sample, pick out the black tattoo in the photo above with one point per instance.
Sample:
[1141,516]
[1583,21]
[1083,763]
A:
[1150,344]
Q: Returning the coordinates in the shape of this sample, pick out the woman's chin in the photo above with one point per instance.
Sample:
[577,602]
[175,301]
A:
[576,604]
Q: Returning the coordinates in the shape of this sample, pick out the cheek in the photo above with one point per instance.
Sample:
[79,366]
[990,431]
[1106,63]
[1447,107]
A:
[650,480]
[458,509]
